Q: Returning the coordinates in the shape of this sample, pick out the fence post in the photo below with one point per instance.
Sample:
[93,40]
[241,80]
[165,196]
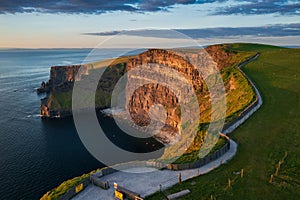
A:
[179,178]
[271,178]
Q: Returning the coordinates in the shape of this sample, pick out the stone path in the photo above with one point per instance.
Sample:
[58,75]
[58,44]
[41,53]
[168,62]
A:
[148,183]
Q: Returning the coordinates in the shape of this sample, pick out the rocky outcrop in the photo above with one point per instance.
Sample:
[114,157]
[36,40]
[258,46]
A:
[221,55]
[44,109]
[60,75]
[140,99]
[61,81]
[44,88]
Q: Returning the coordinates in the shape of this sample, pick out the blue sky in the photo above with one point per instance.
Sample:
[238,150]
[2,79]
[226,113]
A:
[78,23]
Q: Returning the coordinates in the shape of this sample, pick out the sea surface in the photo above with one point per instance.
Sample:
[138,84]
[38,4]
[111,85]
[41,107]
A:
[37,155]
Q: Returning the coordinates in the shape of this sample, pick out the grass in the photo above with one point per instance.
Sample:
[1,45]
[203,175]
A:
[263,139]
[192,156]
[241,96]
[65,186]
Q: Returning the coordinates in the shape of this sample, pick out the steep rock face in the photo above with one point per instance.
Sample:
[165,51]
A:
[220,55]
[44,110]
[141,98]
[60,75]
[168,59]
[61,81]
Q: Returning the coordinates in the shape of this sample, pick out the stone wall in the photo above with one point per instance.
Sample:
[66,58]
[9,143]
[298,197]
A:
[72,191]
[254,106]
[201,162]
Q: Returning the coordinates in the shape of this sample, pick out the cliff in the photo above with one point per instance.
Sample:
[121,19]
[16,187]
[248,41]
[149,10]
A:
[61,81]
[140,100]
[58,102]
[61,76]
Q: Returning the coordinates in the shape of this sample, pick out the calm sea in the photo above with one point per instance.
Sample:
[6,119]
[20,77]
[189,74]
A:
[37,155]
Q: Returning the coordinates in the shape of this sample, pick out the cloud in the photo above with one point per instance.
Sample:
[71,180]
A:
[65,6]
[261,31]
[250,7]
[89,6]
[283,7]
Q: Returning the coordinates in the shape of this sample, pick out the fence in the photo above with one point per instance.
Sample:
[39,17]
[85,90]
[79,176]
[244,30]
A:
[228,128]
[203,161]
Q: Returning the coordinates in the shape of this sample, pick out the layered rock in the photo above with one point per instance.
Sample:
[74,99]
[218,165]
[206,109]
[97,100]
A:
[185,62]
[60,75]
[61,80]
[156,64]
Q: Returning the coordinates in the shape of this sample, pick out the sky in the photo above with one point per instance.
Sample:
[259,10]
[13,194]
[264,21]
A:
[92,23]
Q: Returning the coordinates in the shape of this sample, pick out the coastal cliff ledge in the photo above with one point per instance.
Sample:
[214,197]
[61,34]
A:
[61,81]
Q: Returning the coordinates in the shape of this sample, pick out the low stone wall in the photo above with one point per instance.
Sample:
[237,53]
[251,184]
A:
[72,192]
[231,126]
[86,182]
[203,161]
[95,180]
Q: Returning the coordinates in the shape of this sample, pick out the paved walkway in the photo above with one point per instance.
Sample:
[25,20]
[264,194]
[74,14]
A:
[148,183]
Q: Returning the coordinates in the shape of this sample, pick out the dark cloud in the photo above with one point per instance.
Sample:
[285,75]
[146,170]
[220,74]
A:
[282,7]
[262,31]
[101,6]
[88,6]
[155,5]
[65,6]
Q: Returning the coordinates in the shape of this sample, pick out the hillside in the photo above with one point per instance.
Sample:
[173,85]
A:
[270,136]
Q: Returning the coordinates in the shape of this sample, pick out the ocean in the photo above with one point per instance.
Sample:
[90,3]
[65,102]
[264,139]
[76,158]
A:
[37,155]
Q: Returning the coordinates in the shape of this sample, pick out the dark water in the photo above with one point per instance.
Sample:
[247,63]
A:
[36,155]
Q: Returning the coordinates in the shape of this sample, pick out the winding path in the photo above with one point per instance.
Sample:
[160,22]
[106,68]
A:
[146,183]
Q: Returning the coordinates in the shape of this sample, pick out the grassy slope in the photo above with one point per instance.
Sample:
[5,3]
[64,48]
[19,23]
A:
[237,100]
[264,138]
[55,193]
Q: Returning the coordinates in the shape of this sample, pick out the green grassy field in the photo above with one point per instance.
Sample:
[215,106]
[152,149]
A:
[269,136]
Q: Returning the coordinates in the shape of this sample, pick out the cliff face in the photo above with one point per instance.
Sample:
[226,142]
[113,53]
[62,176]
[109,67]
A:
[59,75]
[61,81]
[140,97]
[220,55]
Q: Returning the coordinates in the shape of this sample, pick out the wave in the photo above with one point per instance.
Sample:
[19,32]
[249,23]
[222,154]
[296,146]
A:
[24,74]
[22,81]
